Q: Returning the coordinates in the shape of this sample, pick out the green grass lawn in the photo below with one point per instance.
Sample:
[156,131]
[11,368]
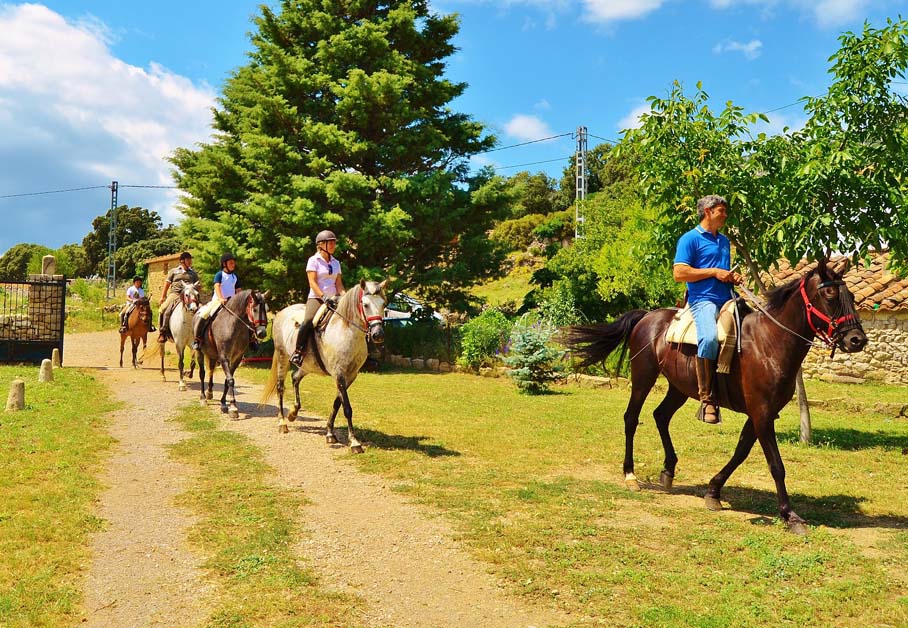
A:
[534,487]
[510,289]
[50,455]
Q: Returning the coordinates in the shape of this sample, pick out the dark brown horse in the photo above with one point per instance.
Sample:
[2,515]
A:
[762,378]
[137,326]
[243,316]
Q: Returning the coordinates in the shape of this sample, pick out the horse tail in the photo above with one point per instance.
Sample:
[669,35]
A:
[151,350]
[271,385]
[594,343]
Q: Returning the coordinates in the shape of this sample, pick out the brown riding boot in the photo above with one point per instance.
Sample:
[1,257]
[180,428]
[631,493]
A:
[709,409]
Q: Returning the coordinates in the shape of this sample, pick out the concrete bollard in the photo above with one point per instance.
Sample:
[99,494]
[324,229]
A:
[16,398]
[46,374]
[55,358]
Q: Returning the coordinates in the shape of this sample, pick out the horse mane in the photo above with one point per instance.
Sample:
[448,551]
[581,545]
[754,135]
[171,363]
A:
[237,303]
[348,305]
[779,296]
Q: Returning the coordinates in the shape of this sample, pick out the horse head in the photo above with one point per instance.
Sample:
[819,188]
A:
[830,308]
[257,312]
[190,296]
[372,307]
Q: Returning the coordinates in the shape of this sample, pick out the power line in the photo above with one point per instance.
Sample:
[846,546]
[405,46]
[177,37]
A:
[532,163]
[156,187]
[93,187]
[542,139]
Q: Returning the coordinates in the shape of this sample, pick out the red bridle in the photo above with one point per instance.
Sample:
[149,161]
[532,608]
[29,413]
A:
[251,314]
[832,326]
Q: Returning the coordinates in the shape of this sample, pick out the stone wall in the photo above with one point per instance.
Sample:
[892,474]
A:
[885,358]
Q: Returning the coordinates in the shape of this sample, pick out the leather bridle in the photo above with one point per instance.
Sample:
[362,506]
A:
[831,335]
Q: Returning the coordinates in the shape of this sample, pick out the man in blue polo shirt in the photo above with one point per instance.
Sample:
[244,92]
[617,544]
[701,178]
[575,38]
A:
[703,261]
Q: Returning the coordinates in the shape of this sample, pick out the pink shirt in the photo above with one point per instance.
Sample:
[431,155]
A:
[325,275]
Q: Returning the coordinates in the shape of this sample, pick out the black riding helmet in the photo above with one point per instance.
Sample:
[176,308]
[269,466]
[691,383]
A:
[226,257]
[137,278]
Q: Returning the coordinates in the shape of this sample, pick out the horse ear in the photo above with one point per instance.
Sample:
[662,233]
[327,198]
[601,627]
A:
[362,284]
[383,285]
[822,270]
[842,266]
[197,285]
[266,294]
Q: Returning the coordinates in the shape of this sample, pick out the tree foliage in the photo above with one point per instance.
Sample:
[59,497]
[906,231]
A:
[15,263]
[341,120]
[134,224]
[838,184]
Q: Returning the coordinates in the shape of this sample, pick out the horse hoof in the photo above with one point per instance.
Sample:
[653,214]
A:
[292,416]
[712,503]
[331,439]
[358,449]
[233,413]
[223,409]
[182,387]
[209,396]
[666,479]
[632,485]
[283,429]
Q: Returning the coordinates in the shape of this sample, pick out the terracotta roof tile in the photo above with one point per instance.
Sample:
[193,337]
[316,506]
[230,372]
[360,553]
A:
[873,286]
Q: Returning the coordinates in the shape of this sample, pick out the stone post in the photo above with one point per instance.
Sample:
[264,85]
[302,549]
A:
[48,265]
[46,374]
[55,358]
[16,398]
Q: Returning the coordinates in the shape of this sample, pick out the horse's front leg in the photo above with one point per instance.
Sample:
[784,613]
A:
[210,394]
[766,434]
[229,386]
[202,398]
[122,344]
[355,446]
[745,443]
[330,436]
[135,352]
[180,363]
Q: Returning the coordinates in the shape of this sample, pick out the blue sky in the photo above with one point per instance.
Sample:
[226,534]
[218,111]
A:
[94,91]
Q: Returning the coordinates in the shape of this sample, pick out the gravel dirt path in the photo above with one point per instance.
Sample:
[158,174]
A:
[359,536]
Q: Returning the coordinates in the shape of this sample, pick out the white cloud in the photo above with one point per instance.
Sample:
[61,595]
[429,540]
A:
[834,12]
[826,13]
[72,115]
[751,50]
[527,128]
[543,105]
[632,119]
[779,122]
[614,10]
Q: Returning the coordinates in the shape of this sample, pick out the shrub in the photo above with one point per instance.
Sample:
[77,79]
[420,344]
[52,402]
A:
[558,306]
[483,338]
[422,338]
[534,362]
[517,234]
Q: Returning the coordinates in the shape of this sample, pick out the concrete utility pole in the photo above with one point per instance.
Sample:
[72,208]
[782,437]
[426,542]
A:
[581,181]
[112,243]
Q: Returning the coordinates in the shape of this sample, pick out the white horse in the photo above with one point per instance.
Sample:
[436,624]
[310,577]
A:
[339,352]
[181,331]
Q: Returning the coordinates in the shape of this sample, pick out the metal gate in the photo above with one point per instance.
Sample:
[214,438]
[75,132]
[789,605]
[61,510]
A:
[31,318]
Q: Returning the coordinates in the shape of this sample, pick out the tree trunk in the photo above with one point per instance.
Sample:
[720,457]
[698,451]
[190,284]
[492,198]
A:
[804,408]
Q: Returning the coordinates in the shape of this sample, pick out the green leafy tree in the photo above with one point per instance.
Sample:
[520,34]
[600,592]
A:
[134,224]
[15,263]
[130,258]
[72,261]
[342,120]
[533,194]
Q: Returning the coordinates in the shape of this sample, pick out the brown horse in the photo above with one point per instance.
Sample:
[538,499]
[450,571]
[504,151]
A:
[136,329]
[762,379]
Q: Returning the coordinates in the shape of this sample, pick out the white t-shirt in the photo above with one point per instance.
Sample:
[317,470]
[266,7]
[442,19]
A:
[133,293]
[325,275]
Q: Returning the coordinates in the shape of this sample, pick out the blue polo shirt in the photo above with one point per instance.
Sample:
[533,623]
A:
[698,248]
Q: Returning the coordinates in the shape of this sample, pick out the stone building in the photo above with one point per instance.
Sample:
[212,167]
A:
[881,299]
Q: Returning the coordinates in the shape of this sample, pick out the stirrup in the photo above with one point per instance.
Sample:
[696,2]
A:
[703,416]
[123,329]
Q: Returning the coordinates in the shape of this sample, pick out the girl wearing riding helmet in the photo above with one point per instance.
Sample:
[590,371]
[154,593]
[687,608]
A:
[225,284]
[325,286]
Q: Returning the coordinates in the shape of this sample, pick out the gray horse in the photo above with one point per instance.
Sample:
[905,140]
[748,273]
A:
[228,337]
[181,330]
[339,352]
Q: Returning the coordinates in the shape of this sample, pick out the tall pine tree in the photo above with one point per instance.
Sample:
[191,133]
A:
[341,121]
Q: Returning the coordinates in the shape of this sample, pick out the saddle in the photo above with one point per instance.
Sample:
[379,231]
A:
[319,321]
[682,330]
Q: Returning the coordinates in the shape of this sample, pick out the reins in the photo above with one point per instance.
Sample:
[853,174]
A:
[243,321]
